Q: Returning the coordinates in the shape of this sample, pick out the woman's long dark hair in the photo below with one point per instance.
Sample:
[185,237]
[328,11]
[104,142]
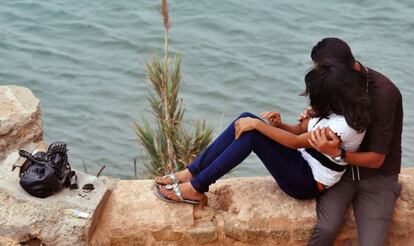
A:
[335,88]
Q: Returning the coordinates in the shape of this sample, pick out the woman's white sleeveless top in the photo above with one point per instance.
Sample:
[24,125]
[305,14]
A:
[351,140]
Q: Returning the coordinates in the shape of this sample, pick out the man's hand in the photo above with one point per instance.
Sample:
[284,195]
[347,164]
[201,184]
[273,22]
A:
[273,118]
[306,114]
[325,141]
[244,125]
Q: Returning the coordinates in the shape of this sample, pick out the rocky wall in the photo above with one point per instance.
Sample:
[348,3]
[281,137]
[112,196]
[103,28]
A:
[20,119]
[240,211]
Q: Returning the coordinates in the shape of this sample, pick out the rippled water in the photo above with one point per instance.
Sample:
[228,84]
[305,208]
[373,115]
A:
[84,60]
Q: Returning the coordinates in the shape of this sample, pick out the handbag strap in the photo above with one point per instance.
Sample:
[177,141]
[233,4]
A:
[74,185]
[32,158]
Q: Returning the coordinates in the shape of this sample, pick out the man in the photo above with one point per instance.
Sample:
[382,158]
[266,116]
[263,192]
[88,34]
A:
[370,182]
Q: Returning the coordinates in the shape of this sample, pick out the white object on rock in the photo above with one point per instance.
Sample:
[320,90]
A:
[79,214]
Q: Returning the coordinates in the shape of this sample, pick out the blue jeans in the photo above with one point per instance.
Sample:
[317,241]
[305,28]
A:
[288,168]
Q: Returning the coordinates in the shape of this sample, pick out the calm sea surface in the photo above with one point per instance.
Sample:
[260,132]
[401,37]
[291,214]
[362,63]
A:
[85,61]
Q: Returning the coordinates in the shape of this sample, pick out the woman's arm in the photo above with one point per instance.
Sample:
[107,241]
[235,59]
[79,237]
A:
[287,136]
[281,136]
[275,120]
[296,129]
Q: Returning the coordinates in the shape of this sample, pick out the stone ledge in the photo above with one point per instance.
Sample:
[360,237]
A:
[241,211]
[52,220]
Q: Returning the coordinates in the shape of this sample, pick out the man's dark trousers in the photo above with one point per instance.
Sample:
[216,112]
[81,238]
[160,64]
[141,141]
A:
[373,200]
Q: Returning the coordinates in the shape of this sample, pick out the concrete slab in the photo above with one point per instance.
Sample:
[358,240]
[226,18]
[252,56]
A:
[65,218]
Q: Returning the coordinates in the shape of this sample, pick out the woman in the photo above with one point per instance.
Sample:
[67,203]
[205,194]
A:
[339,101]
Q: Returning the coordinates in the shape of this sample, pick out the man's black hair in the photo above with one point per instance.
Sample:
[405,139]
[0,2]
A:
[332,50]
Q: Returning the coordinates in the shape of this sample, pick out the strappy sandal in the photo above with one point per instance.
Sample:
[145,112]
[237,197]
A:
[177,192]
[171,176]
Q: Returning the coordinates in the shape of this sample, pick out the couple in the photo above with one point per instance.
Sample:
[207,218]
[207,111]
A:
[345,150]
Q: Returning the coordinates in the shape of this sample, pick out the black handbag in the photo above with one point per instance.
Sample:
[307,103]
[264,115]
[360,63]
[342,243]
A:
[45,173]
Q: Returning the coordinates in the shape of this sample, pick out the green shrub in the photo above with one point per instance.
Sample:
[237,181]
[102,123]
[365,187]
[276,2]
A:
[169,146]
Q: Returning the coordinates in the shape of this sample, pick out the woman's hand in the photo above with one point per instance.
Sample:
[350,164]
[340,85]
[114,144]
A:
[273,118]
[306,114]
[244,125]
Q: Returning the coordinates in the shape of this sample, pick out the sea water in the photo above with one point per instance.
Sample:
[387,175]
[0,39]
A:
[85,61]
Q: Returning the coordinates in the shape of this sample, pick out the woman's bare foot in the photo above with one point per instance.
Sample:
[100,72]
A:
[182,176]
[187,192]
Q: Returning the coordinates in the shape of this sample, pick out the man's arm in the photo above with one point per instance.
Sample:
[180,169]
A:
[327,142]
[365,159]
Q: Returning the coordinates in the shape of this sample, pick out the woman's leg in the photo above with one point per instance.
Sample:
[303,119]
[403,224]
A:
[208,156]
[216,148]
[286,165]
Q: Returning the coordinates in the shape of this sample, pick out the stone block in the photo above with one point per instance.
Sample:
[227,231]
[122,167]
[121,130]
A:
[53,220]
[240,211]
[133,209]
[20,119]
[204,232]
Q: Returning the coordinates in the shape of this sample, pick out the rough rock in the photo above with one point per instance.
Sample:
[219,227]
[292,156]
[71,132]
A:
[140,217]
[20,119]
[53,220]
[240,211]
[23,218]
